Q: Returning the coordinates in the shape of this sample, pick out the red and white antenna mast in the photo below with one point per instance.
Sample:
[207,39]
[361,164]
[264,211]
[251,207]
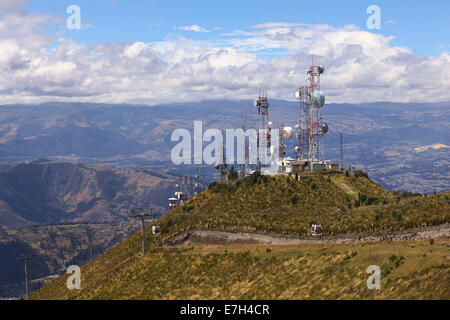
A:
[311,129]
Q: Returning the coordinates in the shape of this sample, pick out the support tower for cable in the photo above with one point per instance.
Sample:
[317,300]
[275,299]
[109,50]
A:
[141,214]
[26,260]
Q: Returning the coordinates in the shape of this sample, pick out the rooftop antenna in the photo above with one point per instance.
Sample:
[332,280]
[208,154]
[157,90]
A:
[140,213]
[25,259]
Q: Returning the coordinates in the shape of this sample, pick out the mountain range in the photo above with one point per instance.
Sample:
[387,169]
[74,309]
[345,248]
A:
[65,165]
[48,192]
[394,142]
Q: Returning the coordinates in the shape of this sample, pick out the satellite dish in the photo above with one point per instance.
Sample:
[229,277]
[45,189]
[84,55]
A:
[317,99]
[298,93]
[297,126]
[270,125]
[287,132]
[321,68]
[325,128]
[297,149]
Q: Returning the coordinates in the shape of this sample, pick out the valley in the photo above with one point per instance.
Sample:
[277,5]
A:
[61,213]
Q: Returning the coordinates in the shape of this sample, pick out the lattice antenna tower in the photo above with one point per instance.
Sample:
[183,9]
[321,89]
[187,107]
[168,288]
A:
[264,127]
[311,129]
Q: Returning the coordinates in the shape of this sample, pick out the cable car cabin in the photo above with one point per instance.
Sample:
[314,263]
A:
[316,230]
[156,229]
[173,203]
[181,196]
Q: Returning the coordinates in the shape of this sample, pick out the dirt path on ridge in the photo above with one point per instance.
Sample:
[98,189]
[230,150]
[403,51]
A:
[200,236]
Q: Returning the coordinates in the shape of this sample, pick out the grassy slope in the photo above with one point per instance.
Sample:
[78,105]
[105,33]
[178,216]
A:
[270,207]
[253,272]
[276,194]
[309,271]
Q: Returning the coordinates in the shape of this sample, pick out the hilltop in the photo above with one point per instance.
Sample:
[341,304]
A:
[280,207]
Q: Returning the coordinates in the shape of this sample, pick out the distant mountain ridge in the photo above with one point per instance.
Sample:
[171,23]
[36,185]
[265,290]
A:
[45,204]
[46,191]
[378,137]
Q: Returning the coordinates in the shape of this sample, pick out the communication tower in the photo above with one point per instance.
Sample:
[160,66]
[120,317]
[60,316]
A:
[263,126]
[342,151]
[311,128]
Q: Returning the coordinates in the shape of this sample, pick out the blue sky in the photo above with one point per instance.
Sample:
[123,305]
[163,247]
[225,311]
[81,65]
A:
[422,26]
[154,51]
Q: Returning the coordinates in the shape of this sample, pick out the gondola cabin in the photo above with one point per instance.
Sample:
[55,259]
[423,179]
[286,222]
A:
[173,203]
[316,230]
[156,229]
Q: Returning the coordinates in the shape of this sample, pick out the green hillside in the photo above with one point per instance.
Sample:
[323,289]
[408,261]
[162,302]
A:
[279,205]
[283,205]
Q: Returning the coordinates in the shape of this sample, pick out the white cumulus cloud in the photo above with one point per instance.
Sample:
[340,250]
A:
[194,27]
[360,66]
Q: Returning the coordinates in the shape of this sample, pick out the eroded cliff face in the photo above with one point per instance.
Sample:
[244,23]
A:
[44,192]
[44,206]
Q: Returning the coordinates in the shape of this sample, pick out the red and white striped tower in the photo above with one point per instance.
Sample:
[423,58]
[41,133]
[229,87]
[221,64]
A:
[311,129]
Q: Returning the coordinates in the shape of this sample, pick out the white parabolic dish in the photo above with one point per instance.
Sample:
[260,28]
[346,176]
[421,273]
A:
[288,132]
[317,99]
